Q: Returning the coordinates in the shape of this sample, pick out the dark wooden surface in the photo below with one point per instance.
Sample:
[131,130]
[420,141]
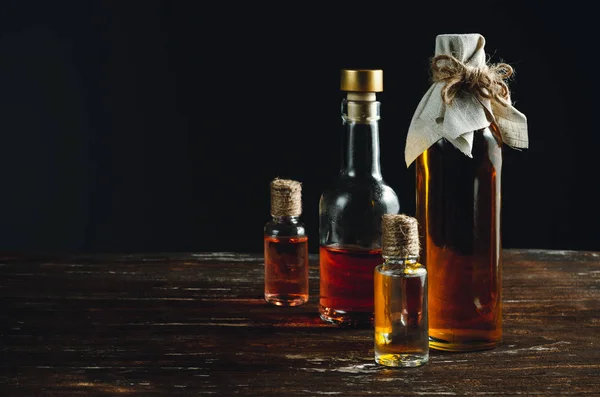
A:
[197,324]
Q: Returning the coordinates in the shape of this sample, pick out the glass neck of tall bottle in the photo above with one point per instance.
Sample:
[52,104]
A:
[360,140]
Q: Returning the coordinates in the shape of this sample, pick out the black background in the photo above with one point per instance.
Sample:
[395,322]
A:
[157,126]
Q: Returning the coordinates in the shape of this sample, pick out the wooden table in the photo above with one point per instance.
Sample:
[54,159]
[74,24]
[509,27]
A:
[197,324]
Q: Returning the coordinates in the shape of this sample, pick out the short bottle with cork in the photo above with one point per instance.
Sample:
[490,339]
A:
[400,289]
[286,246]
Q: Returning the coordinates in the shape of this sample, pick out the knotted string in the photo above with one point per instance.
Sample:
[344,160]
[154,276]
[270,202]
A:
[485,82]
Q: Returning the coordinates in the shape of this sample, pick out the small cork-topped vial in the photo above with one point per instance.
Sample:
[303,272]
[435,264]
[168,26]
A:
[286,246]
[401,319]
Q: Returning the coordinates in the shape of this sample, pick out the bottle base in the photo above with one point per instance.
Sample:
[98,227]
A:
[462,346]
[286,300]
[346,318]
[402,360]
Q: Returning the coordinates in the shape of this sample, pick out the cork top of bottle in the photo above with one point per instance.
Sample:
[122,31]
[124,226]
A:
[361,80]
[286,197]
[400,236]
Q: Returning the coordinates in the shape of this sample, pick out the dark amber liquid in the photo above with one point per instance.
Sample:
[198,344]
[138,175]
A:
[346,292]
[458,209]
[286,270]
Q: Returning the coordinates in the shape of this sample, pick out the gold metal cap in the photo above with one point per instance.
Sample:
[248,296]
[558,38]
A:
[361,80]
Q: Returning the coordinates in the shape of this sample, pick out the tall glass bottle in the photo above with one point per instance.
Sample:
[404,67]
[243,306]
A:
[458,208]
[456,138]
[350,210]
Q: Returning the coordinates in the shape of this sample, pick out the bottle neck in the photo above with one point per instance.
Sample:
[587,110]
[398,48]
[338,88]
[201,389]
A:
[400,260]
[286,219]
[360,140]
[404,265]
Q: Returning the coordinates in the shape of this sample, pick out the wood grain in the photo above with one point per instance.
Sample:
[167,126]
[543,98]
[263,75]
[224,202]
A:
[197,324]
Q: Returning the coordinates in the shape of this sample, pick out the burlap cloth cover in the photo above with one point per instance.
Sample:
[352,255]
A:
[467,94]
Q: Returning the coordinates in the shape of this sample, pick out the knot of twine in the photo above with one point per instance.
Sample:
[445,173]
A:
[485,82]
[400,235]
[286,197]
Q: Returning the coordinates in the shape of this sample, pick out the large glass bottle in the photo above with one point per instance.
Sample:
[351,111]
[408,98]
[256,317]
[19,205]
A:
[458,210]
[350,210]
[456,139]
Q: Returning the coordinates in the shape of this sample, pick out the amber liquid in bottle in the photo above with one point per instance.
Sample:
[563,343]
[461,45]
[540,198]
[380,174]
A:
[458,209]
[401,337]
[347,284]
[286,270]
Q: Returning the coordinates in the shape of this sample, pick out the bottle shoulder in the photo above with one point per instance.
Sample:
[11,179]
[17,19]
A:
[486,151]
[349,193]
[284,229]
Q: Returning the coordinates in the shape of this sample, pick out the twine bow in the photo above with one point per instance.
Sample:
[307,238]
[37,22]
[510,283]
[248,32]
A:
[484,82]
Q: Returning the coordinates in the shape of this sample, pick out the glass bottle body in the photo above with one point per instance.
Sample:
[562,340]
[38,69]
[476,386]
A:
[458,209]
[401,313]
[350,223]
[286,261]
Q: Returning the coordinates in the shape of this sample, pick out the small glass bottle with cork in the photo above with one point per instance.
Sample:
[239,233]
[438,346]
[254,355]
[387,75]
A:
[400,288]
[286,247]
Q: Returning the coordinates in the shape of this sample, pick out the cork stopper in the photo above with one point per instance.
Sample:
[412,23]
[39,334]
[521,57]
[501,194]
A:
[286,197]
[400,236]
